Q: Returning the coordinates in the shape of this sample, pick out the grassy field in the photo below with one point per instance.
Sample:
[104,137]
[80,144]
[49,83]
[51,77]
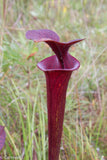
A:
[23,108]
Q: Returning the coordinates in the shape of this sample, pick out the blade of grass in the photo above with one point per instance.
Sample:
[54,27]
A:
[11,140]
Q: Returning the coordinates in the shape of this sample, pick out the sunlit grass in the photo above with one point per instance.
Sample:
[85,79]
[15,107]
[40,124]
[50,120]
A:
[22,86]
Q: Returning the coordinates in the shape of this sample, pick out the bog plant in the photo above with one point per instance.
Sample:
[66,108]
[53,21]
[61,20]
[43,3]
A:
[57,69]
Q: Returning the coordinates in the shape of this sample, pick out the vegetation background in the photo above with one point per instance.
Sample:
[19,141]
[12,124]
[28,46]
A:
[23,108]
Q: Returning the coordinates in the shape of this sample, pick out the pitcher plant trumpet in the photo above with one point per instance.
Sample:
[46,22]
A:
[58,69]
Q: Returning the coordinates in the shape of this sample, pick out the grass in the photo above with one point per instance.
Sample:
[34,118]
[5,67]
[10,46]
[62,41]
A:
[22,86]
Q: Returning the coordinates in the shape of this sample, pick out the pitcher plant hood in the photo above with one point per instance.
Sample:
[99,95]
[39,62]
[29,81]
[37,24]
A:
[62,59]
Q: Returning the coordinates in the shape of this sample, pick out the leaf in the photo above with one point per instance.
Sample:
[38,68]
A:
[31,55]
[2,137]
[57,69]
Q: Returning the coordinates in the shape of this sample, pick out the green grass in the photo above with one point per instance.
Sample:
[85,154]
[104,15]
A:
[23,108]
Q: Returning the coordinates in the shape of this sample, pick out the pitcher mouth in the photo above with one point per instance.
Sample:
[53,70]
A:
[52,64]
